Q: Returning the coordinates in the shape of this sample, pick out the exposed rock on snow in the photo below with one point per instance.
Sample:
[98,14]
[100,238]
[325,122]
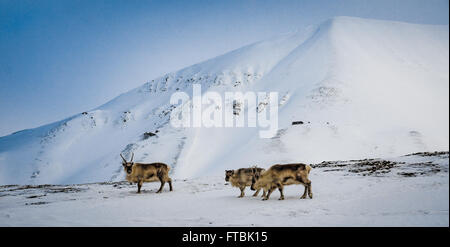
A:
[387,195]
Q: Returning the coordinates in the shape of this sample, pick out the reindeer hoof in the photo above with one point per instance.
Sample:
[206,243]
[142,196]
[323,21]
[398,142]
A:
[281,198]
[311,196]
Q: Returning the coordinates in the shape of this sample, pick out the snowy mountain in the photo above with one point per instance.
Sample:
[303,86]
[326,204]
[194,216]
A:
[362,88]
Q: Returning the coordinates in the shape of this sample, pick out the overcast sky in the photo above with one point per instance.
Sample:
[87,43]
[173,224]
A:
[62,57]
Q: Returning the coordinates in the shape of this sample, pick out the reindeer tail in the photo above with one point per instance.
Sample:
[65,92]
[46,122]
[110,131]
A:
[308,168]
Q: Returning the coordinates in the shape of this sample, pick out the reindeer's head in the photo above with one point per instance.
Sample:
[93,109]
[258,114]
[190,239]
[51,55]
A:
[127,166]
[228,174]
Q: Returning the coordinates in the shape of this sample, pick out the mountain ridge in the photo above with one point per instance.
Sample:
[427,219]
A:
[321,74]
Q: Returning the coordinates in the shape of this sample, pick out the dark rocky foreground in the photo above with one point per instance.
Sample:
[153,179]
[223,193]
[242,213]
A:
[402,167]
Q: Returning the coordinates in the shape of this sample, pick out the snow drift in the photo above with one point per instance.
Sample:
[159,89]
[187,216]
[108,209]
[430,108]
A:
[362,88]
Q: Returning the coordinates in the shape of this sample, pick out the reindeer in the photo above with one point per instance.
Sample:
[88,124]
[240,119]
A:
[140,173]
[277,176]
[242,178]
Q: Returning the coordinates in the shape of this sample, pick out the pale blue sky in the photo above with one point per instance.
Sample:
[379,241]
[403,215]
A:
[62,57]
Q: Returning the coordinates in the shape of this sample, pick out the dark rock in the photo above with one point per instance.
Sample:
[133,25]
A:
[147,135]
[297,122]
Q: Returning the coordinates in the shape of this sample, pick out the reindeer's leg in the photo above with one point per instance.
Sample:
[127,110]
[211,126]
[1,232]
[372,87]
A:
[170,183]
[161,187]
[139,184]
[257,192]
[280,188]
[242,188]
[162,180]
[309,190]
[305,192]
[268,193]
[264,193]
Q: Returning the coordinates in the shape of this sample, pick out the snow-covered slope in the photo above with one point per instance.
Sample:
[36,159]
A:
[363,88]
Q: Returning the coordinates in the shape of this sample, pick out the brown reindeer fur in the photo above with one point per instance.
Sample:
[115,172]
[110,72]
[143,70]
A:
[277,176]
[140,173]
[242,178]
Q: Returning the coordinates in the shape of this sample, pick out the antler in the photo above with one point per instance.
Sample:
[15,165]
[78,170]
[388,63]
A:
[132,156]
[124,160]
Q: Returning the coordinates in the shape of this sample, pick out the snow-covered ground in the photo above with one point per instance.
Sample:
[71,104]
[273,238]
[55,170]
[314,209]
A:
[410,190]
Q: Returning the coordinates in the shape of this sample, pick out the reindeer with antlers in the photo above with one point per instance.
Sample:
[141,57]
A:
[140,173]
